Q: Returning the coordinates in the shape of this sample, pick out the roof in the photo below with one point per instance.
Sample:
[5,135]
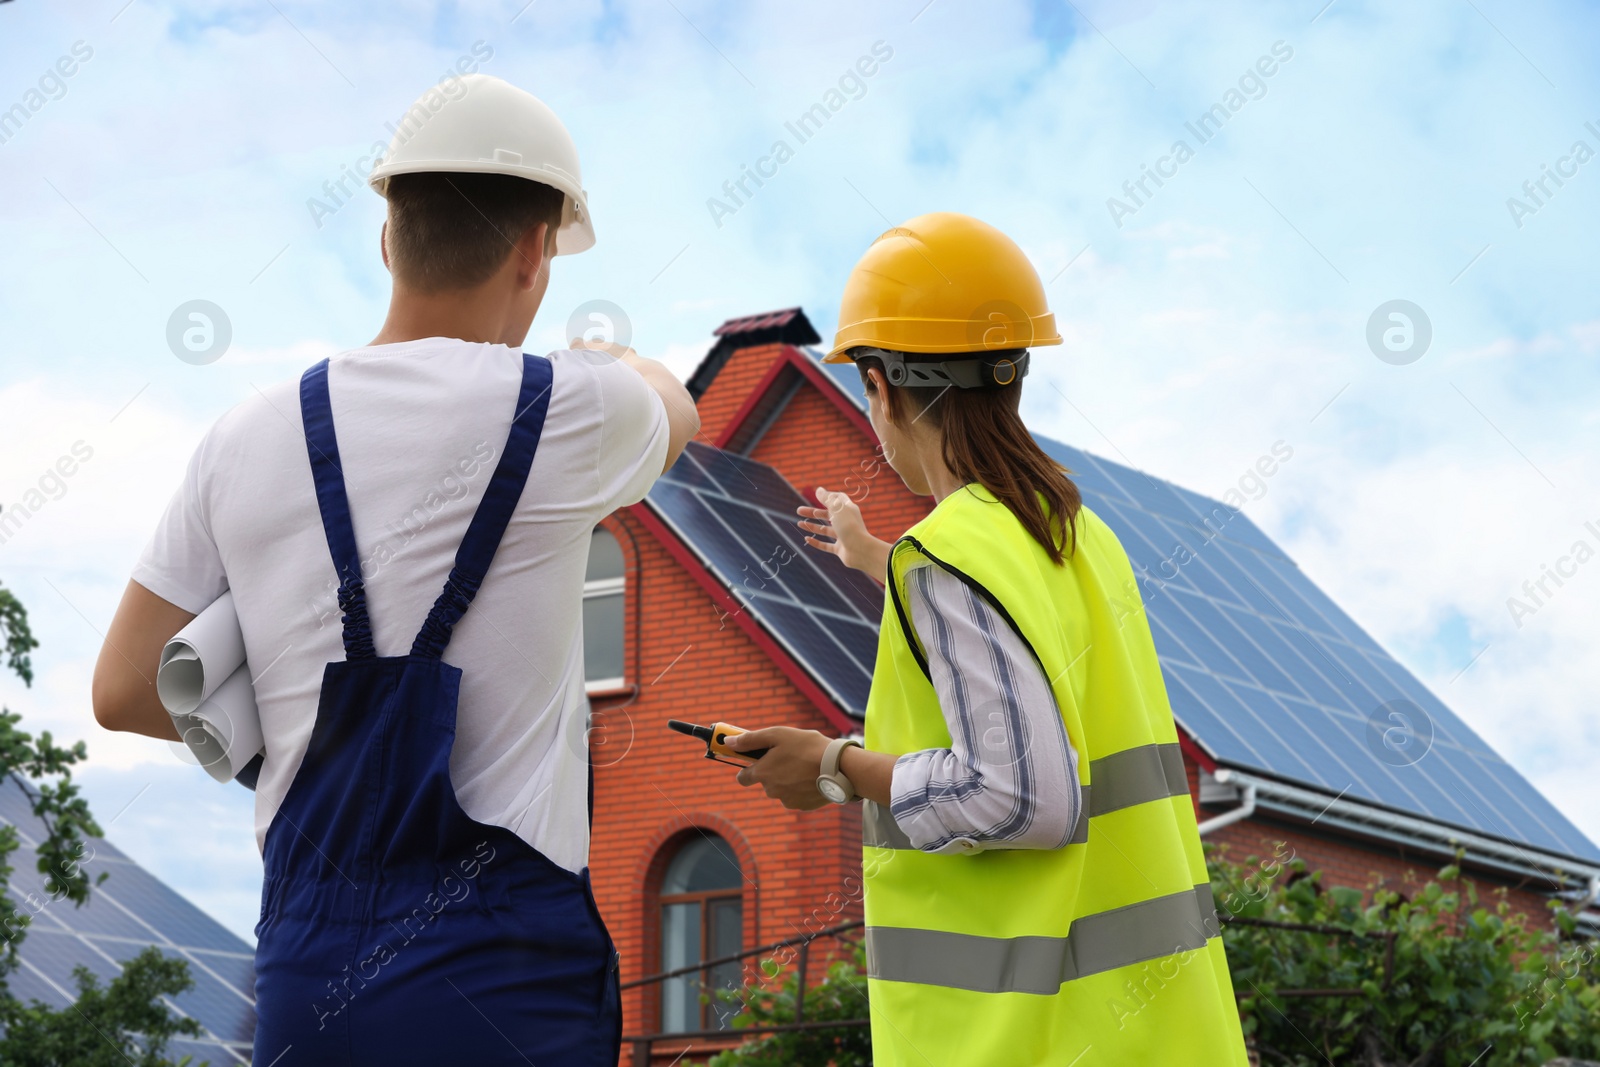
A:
[1267,673]
[1264,672]
[131,911]
[738,518]
[788,326]
[767,320]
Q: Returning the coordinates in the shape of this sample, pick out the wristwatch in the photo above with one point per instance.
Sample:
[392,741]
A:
[832,783]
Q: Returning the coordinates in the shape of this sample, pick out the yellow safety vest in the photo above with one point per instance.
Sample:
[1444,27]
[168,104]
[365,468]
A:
[1104,952]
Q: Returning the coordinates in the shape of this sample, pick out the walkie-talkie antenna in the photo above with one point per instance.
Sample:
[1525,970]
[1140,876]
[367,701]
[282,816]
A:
[700,733]
[716,738]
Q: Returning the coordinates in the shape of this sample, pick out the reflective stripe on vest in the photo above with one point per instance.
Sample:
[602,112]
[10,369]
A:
[1150,929]
[1120,780]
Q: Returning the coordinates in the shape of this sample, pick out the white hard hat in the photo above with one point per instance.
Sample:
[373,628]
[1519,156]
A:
[482,125]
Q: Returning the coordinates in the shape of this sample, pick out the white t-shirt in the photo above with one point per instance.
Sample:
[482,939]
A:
[420,427]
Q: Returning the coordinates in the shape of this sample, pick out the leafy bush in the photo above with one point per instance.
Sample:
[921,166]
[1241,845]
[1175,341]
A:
[842,994]
[1472,984]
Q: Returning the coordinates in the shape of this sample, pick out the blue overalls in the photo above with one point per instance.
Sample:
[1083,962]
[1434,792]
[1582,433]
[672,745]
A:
[395,929]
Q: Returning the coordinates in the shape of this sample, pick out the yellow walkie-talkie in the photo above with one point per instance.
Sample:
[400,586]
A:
[716,738]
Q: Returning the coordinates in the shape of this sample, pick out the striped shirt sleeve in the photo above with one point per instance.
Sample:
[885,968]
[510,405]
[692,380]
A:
[1010,776]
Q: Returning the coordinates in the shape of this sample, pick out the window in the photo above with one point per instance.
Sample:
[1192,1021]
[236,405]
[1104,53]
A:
[602,613]
[702,918]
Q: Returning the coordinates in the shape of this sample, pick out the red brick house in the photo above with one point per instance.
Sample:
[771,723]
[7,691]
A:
[1296,726]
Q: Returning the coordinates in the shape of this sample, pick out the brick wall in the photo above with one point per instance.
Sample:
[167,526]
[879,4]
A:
[652,788]
[732,387]
[1346,862]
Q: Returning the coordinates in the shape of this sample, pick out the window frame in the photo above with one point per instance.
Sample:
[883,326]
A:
[704,899]
[599,588]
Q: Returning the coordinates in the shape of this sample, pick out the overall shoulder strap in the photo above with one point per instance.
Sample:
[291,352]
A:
[494,511]
[323,448]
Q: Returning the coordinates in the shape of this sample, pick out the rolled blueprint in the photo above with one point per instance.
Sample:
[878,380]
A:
[204,683]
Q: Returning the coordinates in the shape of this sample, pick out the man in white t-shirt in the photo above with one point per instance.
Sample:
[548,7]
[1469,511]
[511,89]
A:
[422,416]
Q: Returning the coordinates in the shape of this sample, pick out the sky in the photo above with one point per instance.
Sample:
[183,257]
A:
[1371,153]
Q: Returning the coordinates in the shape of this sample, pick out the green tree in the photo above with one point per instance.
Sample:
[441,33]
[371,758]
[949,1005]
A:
[1471,983]
[842,994]
[127,1015]
[16,638]
[121,1024]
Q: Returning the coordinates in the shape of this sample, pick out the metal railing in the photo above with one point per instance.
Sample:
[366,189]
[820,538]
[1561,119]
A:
[643,1044]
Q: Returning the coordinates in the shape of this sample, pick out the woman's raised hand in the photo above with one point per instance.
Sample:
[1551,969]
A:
[837,527]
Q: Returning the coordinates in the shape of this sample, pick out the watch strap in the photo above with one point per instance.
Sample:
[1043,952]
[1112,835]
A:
[831,775]
[832,754]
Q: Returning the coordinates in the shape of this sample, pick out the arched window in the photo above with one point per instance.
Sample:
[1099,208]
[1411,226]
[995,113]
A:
[702,918]
[602,613]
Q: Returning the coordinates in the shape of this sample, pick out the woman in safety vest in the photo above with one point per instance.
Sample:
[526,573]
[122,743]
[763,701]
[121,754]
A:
[1035,888]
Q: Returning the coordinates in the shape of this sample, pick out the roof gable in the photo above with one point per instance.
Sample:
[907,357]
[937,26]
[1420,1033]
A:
[789,326]
[791,368]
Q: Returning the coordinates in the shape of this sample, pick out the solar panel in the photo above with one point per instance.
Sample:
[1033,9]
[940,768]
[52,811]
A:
[127,913]
[844,375]
[1269,674]
[739,517]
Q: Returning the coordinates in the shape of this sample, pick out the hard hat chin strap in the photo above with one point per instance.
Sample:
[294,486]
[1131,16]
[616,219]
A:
[973,372]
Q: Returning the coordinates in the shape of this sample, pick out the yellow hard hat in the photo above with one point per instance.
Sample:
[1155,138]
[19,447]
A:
[943,282]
